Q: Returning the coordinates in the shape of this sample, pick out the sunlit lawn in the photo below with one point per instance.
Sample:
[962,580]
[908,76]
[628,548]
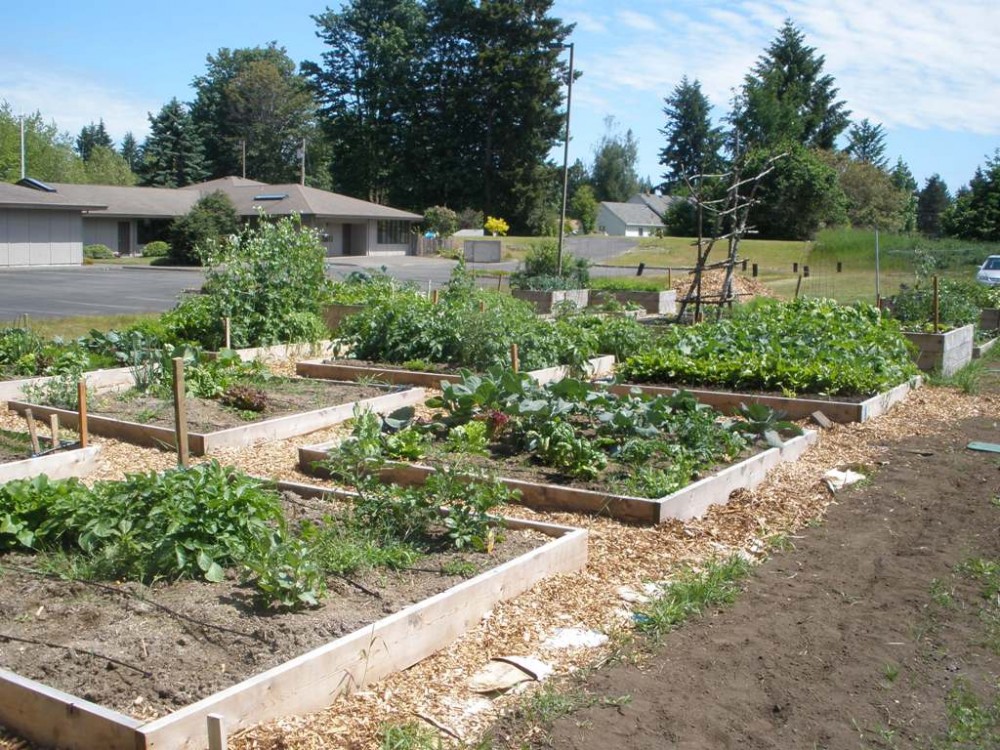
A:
[71,328]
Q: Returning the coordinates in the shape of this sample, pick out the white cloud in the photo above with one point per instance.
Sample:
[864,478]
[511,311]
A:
[587,22]
[73,101]
[637,21]
[930,64]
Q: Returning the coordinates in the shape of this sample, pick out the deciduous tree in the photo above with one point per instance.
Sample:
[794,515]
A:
[584,207]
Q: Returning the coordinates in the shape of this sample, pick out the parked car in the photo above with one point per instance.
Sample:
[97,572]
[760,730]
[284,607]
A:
[989,272]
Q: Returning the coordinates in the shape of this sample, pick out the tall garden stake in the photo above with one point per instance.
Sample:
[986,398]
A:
[180,413]
[81,407]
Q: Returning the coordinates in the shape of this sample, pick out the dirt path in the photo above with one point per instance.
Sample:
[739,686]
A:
[871,633]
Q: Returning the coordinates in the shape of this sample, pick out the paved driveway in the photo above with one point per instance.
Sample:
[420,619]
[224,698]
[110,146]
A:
[90,290]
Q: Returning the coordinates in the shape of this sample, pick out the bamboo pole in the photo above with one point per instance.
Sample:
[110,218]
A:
[81,401]
[180,413]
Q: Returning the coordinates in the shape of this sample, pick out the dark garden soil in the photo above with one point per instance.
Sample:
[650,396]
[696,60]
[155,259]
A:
[868,634]
[284,396]
[167,661]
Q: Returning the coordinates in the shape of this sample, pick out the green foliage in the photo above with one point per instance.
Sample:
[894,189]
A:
[441,220]
[805,346]
[470,438]
[209,221]
[866,144]
[404,326]
[693,145]
[173,154]
[975,214]
[691,593]
[932,204]
[156,249]
[758,420]
[584,206]
[627,284]
[98,252]
[959,303]
[268,280]
[541,269]
[613,175]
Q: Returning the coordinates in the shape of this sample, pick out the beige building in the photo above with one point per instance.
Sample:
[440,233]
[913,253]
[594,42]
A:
[38,228]
[126,218]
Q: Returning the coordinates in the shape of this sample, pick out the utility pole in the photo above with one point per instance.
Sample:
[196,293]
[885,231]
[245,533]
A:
[302,168]
[565,185]
[23,165]
[243,150]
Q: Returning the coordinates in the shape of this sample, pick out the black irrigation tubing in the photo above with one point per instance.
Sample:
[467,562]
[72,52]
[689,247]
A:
[49,644]
[157,605]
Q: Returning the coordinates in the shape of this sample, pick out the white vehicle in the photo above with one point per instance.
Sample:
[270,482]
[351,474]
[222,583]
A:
[989,272]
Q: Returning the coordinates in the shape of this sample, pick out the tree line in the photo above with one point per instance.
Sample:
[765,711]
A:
[435,103]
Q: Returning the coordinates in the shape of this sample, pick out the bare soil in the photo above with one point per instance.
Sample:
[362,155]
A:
[13,447]
[859,637]
[424,365]
[177,642]
[284,396]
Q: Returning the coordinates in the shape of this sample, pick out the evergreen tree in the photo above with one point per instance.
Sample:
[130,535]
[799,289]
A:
[131,152]
[866,143]
[253,97]
[975,213]
[693,145]
[91,136]
[577,176]
[903,179]
[932,202]
[788,98]
[613,174]
[173,155]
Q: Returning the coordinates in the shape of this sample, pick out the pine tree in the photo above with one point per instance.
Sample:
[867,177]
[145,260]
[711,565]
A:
[173,155]
[975,214]
[903,179]
[866,143]
[131,152]
[932,202]
[693,145]
[91,136]
[788,98]
[613,174]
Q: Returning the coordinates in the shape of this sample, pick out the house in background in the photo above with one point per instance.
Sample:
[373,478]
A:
[641,216]
[39,228]
[126,218]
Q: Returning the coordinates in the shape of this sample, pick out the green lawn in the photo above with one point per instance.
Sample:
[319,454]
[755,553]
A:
[71,328]
[126,261]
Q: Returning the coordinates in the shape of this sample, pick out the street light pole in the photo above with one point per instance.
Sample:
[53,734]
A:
[565,185]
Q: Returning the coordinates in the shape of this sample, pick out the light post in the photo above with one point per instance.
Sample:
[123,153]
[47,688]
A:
[565,185]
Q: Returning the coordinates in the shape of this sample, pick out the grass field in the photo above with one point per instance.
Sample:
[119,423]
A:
[71,328]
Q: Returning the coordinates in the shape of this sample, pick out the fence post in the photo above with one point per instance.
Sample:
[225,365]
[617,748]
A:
[180,413]
[640,269]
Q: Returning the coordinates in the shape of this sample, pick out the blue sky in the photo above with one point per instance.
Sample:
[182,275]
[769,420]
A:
[928,70]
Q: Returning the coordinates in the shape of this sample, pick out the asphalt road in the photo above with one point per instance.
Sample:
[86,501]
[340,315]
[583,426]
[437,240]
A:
[90,290]
[111,290]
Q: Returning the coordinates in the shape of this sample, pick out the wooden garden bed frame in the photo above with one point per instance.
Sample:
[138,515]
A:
[97,381]
[794,408]
[306,683]
[74,462]
[979,350]
[599,367]
[283,351]
[689,502]
[945,353]
[204,444]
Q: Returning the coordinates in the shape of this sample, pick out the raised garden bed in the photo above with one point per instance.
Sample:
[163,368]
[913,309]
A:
[277,427]
[599,367]
[654,303]
[233,661]
[568,446]
[545,301]
[281,351]
[980,350]
[802,407]
[989,319]
[97,380]
[16,461]
[946,353]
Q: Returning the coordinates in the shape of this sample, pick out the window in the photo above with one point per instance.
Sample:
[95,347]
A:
[393,232]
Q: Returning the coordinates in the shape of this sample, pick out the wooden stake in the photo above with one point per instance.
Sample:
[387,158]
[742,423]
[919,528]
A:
[229,339]
[435,296]
[937,307]
[515,362]
[798,286]
[482,305]
[54,428]
[669,280]
[216,732]
[180,413]
[81,405]
[32,432]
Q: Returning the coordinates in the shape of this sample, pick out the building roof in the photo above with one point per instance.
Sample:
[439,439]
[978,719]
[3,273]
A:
[247,196]
[660,204]
[634,214]
[130,202]
[16,196]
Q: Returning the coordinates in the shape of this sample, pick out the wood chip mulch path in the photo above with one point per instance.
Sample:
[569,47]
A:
[620,555]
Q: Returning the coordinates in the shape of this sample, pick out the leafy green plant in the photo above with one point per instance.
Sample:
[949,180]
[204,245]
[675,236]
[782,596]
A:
[98,252]
[959,303]
[757,420]
[470,438]
[156,249]
[805,346]
[542,270]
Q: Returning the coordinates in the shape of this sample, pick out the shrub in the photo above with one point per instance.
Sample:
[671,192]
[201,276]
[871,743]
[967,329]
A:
[496,226]
[211,219]
[541,269]
[268,281]
[441,220]
[98,252]
[959,303]
[156,249]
